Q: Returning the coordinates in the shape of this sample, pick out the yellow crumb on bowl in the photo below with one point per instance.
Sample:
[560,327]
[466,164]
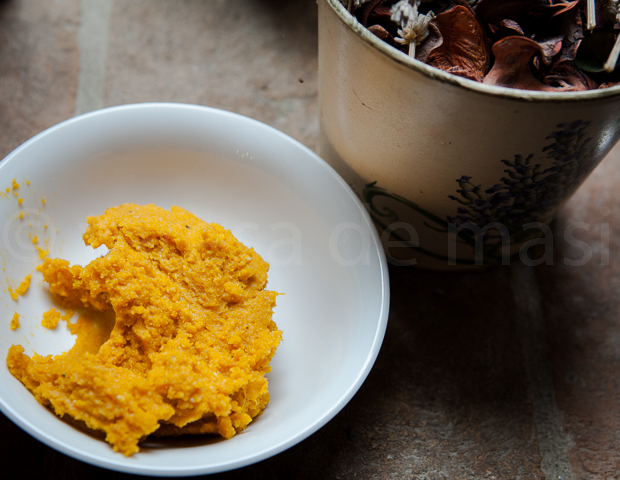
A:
[15,321]
[51,319]
[21,289]
[15,185]
[192,335]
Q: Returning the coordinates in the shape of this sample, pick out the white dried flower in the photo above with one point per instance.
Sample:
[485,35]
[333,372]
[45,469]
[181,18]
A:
[413,26]
[401,12]
[415,30]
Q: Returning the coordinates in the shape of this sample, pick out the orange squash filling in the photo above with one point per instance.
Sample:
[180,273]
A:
[179,336]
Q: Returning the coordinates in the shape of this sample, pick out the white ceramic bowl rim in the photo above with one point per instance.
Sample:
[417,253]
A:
[375,337]
[432,72]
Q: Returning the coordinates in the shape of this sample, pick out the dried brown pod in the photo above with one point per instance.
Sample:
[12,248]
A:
[566,23]
[465,35]
[364,12]
[509,28]
[568,78]
[549,48]
[536,19]
[512,67]
[382,34]
[516,58]
[456,44]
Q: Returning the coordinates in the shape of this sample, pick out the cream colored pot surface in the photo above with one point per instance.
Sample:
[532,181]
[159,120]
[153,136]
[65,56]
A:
[454,172]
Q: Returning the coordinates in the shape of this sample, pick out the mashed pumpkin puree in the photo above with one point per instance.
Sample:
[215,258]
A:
[191,338]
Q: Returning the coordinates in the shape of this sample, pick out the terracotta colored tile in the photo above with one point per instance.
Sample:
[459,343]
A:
[582,304]
[247,57]
[38,67]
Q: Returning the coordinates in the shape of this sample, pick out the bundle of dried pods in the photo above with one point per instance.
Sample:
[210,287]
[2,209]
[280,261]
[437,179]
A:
[545,45]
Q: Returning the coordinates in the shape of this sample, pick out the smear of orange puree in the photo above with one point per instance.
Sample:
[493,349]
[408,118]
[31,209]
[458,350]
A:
[15,321]
[21,289]
[51,318]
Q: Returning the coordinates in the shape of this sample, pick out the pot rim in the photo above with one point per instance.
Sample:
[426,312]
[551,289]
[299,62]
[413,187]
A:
[478,87]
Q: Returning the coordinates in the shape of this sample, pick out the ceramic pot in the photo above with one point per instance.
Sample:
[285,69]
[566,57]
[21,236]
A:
[453,172]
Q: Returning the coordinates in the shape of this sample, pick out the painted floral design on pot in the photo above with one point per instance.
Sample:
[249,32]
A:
[492,220]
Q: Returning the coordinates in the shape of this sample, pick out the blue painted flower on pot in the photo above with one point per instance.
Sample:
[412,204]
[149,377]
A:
[491,220]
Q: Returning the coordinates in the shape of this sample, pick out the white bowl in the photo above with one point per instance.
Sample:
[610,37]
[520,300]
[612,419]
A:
[272,192]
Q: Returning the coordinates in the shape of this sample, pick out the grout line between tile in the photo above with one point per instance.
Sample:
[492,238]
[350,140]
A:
[552,439]
[92,39]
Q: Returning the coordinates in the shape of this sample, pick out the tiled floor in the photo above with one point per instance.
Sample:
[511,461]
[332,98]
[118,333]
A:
[508,374]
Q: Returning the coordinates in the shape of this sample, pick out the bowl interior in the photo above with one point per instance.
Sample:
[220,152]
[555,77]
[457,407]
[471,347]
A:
[271,192]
